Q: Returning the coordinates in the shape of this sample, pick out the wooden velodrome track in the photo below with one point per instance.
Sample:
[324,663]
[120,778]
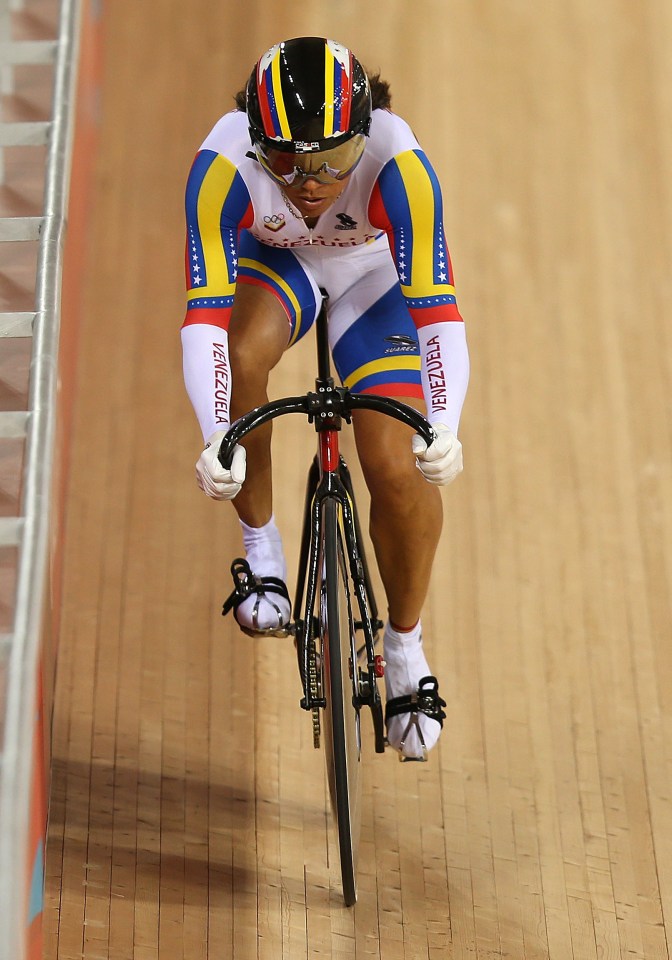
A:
[188,806]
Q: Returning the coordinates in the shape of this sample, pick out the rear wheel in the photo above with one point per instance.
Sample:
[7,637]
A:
[342,737]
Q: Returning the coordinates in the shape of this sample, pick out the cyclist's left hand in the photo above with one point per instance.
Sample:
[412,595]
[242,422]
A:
[441,462]
[214,479]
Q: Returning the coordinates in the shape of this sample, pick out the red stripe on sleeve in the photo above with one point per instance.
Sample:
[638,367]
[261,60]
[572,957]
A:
[248,218]
[378,217]
[423,316]
[215,316]
[377,212]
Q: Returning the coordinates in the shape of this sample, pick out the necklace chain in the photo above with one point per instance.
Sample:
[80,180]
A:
[298,215]
[290,207]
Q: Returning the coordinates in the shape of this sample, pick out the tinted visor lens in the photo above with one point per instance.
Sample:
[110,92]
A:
[325,166]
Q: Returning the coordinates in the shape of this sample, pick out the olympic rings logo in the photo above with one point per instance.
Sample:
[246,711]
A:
[275,222]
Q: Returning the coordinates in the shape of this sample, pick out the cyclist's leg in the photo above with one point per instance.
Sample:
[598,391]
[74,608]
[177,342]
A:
[275,303]
[405,509]
[378,353]
[258,334]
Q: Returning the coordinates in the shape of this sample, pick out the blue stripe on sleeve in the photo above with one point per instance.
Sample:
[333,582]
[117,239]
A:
[395,200]
[440,259]
[202,163]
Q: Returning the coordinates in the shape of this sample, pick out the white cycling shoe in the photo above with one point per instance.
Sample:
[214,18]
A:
[261,605]
[414,712]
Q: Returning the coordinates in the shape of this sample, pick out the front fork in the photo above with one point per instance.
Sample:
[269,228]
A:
[322,481]
[325,481]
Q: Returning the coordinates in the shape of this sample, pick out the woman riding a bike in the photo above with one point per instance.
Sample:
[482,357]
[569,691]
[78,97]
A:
[312,184]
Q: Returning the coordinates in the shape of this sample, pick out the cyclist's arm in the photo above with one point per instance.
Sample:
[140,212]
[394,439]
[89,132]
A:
[217,207]
[406,202]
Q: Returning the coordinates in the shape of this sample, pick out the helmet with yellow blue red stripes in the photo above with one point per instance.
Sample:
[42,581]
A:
[307,95]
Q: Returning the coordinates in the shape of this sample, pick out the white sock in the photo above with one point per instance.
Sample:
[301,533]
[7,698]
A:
[264,553]
[405,666]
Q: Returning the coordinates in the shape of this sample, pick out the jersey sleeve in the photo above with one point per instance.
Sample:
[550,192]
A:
[406,202]
[217,206]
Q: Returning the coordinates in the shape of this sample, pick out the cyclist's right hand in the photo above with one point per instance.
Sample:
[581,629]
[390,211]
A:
[212,477]
[441,462]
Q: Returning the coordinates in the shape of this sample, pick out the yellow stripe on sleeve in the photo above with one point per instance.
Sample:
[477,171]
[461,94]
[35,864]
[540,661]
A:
[215,186]
[420,197]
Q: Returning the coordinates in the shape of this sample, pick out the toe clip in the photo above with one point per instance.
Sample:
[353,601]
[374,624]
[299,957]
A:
[425,700]
[245,584]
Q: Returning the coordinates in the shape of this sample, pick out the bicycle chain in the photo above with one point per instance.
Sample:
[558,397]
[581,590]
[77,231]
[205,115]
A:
[313,686]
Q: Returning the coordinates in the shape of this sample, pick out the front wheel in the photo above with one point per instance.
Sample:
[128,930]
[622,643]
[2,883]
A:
[342,737]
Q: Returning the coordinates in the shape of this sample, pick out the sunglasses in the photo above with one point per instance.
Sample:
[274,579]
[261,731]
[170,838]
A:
[325,166]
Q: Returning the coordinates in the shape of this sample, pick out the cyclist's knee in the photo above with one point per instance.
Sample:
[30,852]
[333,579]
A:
[396,486]
[389,471]
[251,358]
[258,332]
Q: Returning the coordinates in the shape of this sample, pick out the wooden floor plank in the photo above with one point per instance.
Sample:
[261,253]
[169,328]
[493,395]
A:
[188,812]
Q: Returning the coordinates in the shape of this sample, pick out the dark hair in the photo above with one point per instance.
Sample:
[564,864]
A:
[381,98]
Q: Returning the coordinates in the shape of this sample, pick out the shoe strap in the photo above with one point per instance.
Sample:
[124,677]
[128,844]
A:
[425,700]
[246,583]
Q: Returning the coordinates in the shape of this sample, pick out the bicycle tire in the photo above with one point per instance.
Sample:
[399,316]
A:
[342,736]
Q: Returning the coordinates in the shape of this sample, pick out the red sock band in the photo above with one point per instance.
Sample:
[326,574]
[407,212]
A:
[403,629]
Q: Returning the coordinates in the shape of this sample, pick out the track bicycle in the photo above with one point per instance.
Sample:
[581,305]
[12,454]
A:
[335,616]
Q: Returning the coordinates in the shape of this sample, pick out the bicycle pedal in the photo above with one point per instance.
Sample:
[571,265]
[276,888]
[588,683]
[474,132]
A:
[423,759]
[403,759]
[270,632]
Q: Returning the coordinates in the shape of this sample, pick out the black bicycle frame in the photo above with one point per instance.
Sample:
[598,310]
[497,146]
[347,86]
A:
[326,408]
[331,486]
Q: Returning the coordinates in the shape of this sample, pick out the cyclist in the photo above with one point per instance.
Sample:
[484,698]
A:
[312,184]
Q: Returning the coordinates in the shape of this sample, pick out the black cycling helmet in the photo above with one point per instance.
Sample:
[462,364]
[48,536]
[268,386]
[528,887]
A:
[307,95]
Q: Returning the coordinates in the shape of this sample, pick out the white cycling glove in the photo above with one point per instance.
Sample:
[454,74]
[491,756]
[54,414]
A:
[441,462]
[213,479]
